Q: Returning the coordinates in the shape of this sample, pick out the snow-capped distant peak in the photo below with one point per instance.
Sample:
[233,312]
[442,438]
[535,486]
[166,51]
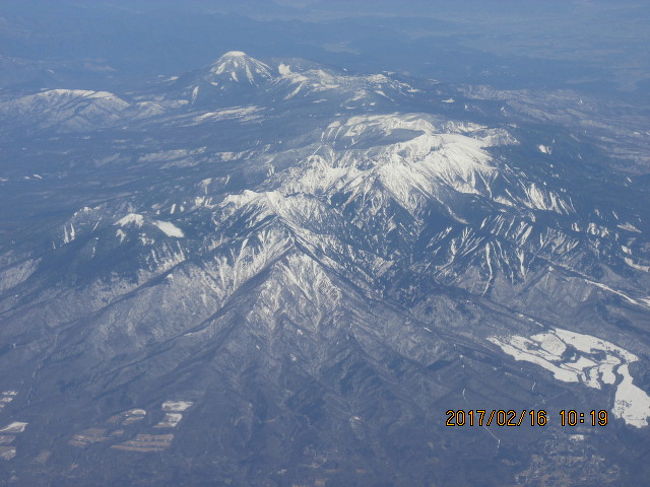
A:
[237,66]
[234,54]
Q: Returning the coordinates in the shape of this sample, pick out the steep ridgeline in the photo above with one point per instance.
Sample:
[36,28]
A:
[282,274]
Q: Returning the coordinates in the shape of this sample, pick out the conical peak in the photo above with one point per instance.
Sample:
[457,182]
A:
[237,66]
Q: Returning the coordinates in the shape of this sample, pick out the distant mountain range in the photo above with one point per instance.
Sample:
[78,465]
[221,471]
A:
[280,273]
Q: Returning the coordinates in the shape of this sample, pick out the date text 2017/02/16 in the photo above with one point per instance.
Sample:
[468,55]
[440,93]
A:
[502,417]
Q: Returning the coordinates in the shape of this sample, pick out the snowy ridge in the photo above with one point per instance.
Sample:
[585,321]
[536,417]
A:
[425,160]
[411,171]
[357,90]
[244,114]
[377,164]
[74,110]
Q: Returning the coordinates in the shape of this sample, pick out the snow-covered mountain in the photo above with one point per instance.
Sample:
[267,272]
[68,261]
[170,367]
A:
[313,265]
[237,66]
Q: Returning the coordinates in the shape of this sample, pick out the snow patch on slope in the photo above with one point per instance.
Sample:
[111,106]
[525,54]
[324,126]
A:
[169,229]
[131,219]
[244,114]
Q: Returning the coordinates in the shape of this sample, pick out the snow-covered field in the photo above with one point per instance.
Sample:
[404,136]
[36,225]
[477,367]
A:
[579,358]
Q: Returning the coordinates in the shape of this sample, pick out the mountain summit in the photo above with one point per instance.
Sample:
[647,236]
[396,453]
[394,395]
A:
[238,67]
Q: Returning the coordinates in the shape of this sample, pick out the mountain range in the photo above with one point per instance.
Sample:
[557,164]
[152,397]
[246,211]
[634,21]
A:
[281,273]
